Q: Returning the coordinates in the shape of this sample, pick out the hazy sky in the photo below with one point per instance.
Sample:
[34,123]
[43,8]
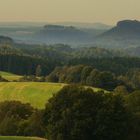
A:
[106,11]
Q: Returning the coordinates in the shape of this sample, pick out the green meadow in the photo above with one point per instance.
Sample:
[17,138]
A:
[9,76]
[35,93]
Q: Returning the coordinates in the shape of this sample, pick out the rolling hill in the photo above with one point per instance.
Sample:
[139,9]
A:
[125,34]
[97,25]
[9,76]
[24,32]
[5,39]
[127,29]
[35,93]
[62,34]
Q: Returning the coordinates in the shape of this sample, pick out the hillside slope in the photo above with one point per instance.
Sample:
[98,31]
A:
[9,76]
[124,35]
[62,34]
[127,29]
[37,94]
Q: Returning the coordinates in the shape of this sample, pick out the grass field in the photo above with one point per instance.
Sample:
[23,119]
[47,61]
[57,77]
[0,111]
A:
[9,76]
[19,138]
[35,93]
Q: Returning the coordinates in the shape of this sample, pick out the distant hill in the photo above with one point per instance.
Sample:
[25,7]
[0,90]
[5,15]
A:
[125,34]
[97,26]
[35,33]
[5,40]
[62,34]
[128,29]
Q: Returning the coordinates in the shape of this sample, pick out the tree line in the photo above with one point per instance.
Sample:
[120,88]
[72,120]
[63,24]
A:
[90,76]
[86,75]
[23,58]
[75,113]
[23,65]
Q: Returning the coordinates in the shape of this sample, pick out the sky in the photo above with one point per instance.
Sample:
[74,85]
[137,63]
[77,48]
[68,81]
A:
[105,11]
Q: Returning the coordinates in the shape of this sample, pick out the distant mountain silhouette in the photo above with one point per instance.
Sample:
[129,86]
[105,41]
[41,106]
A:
[6,40]
[126,29]
[124,35]
[63,34]
[97,26]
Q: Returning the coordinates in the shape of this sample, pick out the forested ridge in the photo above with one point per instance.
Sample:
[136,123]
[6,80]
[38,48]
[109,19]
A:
[21,65]
[96,67]
[50,56]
